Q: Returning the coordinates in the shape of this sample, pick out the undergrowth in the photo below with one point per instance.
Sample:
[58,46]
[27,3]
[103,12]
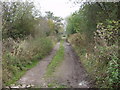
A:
[19,57]
[100,57]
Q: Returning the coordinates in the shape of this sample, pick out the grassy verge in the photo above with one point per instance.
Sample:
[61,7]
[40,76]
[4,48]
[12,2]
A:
[23,56]
[101,63]
[18,75]
[57,59]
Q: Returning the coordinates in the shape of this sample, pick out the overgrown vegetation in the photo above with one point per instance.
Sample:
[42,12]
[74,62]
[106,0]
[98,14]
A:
[56,61]
[93,32]
[27,38]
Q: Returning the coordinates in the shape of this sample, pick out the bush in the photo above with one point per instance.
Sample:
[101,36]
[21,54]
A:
[113,77]
[100,57]
[21,56]
[107,33]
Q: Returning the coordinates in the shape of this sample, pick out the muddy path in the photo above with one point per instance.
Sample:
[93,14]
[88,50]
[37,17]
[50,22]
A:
[35,76]
[71,72]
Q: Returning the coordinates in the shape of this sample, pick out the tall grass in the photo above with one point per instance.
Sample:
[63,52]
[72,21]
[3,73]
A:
[20,56]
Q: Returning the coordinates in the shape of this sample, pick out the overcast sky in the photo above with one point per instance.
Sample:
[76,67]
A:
[61,8]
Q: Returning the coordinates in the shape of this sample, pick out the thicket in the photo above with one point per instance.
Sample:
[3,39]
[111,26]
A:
[94,32]
[27,37]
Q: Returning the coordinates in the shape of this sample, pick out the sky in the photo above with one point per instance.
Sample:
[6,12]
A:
[62,8]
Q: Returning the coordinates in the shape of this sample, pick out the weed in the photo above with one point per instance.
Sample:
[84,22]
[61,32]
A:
[57,59]
[22,56]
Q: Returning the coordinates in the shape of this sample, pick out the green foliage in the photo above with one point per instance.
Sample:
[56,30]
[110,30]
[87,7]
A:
[100,58]
[27,38]
[55,24]
[108,32]
[18,19]
[21,19]
[89,15]
[23,56]
[39,47]
[15,68]
[96,25]
[97,64]
[57,59]
[113,71]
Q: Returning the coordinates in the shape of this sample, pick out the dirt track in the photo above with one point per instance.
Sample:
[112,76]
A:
[70,73]
[36,74]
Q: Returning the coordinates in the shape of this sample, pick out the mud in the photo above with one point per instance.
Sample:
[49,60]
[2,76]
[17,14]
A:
[35,76]
[70,73]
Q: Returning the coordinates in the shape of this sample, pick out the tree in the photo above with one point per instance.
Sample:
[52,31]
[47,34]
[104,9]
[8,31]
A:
[55,22]
[18,20]
[91,13]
